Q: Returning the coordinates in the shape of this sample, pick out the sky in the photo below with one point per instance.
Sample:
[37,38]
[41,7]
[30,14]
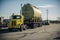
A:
[7,7]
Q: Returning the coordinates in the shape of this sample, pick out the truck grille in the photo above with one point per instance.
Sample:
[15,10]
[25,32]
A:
[13,23]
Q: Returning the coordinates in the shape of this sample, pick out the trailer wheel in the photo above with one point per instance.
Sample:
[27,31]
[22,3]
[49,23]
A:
[41,24]
[38,24]
[35,25]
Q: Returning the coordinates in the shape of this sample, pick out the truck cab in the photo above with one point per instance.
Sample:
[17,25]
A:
[16,22]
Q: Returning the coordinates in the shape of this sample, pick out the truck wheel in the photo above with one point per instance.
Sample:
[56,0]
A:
[35,25]
[24,27]
[41,25]
[21,28]
[38,24]
[10,29]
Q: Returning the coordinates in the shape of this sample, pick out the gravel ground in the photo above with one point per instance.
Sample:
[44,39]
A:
[46,32]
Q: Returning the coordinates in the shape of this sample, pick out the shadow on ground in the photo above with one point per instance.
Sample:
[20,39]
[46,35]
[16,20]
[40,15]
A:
[7,31]
[57,36]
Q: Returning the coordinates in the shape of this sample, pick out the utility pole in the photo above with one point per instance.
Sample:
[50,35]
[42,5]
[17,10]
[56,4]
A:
[47,15]
[21,10]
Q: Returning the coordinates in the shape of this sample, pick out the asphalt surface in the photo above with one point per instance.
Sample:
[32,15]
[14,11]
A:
[46,32]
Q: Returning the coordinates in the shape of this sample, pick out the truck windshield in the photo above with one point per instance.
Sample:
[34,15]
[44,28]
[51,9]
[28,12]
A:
[16,17]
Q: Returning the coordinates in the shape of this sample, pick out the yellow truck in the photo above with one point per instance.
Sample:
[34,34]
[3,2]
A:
[16,22]
[30,18]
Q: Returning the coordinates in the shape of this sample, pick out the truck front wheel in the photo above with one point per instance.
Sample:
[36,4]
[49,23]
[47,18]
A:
[21,29]
[10,29]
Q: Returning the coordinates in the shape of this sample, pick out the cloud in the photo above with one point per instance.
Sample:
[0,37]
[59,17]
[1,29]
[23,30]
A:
[46,6]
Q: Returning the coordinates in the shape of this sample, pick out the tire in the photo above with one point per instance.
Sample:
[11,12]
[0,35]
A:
[25,27]
[35,25]
[38,24]
[41,25]
[10,29]
[21,29]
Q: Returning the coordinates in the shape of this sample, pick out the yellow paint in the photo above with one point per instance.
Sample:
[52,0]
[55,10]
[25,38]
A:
[17,22]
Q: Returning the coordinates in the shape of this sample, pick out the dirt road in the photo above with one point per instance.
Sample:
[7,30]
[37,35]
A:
[46,32]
